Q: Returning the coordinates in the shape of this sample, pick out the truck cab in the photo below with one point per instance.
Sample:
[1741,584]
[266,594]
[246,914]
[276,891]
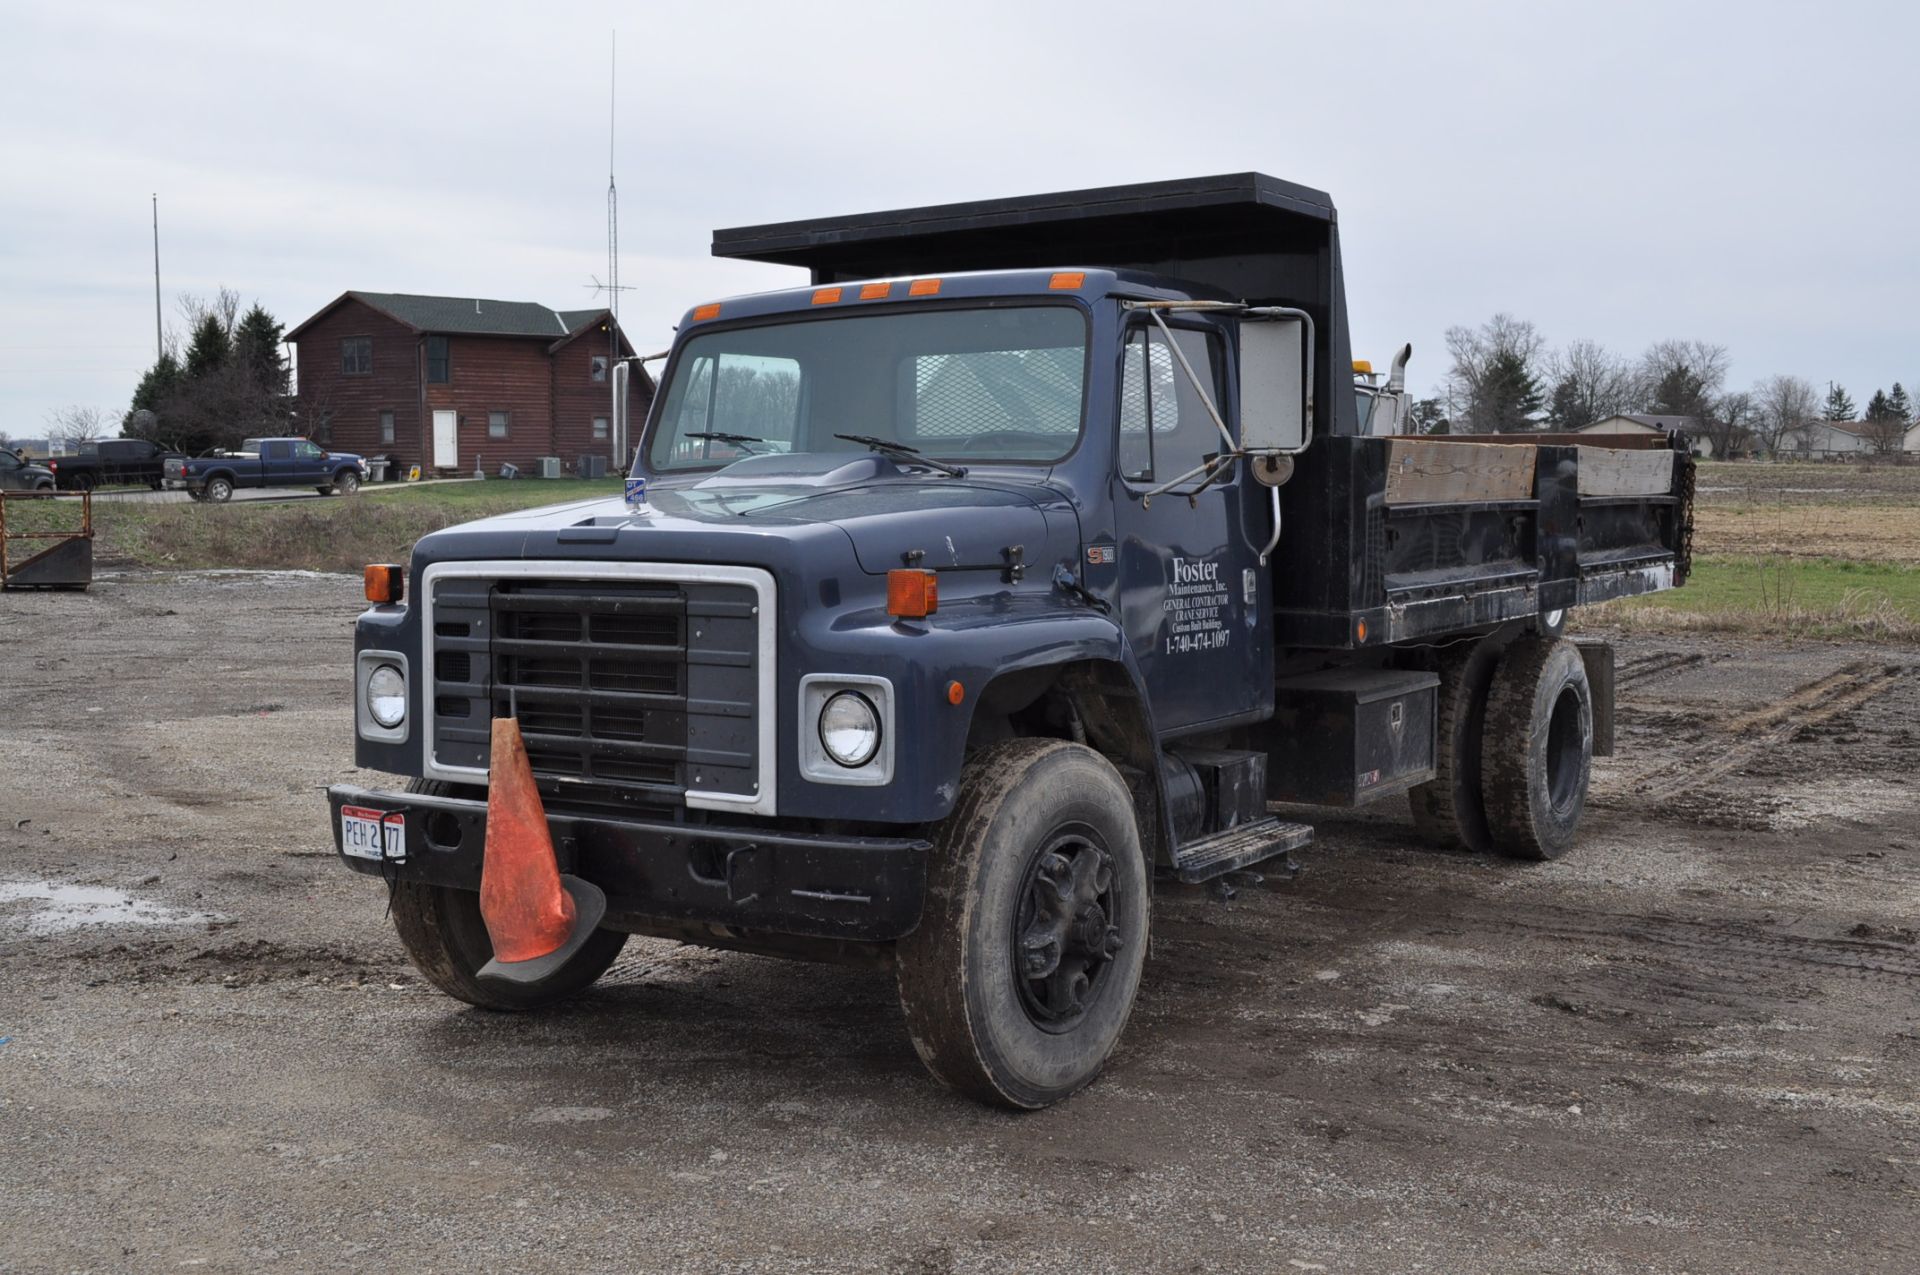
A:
[963,592]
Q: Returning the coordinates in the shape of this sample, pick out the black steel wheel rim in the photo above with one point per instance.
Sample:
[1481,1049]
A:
[1066,935]
[1566,749]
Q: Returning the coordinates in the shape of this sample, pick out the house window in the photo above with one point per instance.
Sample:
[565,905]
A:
[438,370]
[599,427]
[386,427]
[600,367]
[496,424]
[356,356]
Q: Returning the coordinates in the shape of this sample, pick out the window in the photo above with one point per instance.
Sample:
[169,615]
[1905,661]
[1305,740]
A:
[971,385]
[600,367]
[600,427]
[276,449]
[356,356]
[497,424]
[386,427]
[304,450]
[439,369]
[1165,429]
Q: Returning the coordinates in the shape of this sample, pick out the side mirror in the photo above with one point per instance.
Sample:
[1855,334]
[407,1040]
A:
[1276,355]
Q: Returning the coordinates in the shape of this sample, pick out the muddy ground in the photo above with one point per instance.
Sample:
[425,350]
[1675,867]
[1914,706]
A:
[1692,1046]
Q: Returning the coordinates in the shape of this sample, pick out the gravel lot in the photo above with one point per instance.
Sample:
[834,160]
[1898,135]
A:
[1692,1046]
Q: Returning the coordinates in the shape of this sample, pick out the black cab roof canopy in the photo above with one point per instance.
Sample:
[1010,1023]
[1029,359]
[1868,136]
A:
[1253,237]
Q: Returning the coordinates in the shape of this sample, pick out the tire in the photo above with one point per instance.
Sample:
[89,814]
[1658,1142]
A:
[446,940]
[346,482]
[198,497]
[1040,823]
[43,486]
[156,484]
[324,491]
[1448,809]
[1536,756]
[82,482]
[218,490]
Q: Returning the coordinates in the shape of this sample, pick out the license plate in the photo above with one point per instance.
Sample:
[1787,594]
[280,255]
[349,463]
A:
[373,834]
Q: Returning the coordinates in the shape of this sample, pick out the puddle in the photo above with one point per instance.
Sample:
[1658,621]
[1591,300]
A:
[57,909]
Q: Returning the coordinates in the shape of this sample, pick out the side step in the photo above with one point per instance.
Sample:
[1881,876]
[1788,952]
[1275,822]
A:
[1237,848]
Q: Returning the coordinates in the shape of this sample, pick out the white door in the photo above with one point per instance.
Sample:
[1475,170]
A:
[446,440]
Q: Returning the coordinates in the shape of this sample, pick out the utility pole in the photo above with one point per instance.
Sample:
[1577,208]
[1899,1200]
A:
[617,417]
[159,347]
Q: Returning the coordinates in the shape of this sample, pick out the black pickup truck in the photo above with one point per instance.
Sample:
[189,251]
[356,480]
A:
[267,462]
[112,462]
[1047,550]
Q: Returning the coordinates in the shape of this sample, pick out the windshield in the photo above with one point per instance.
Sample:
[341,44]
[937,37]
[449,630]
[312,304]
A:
[1004,383]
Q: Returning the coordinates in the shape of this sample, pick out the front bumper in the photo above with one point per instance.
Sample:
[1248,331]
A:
[841,887]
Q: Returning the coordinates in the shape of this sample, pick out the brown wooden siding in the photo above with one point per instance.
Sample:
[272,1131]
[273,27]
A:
[342,411]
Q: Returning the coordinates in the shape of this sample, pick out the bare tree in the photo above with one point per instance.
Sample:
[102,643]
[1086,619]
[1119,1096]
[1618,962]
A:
[1886,426]
[1589,383]
[1681,378]
[1784,405]
[1728,424]
[223,307]
[1496,373]
[71,428]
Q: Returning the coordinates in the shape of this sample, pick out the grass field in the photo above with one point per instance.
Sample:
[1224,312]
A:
[317,534]
[1820,550]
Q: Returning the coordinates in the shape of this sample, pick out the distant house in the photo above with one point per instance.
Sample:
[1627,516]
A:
[458,383]
[1647,423]
[1843,438]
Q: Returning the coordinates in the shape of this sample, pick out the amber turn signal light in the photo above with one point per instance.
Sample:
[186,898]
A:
[956,693]
[386,582]
[912,594]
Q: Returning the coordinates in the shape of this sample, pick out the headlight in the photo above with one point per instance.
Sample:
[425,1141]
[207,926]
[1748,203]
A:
[386,696]
[850,729]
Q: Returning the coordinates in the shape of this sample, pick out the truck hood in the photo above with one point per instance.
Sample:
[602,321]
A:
[891,518]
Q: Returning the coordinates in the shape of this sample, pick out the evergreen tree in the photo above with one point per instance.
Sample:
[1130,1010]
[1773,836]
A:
[1839,406]
[256,347]
[207,353]
[1902,405]
[1569,409]
[1681,391]
[158,385]
[1509,394]
[1879,407]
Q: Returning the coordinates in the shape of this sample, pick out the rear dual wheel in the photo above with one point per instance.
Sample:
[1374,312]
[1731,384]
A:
[1513,749]
[1021,975]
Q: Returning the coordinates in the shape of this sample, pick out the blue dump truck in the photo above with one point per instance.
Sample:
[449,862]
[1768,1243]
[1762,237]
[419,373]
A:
[1028,555]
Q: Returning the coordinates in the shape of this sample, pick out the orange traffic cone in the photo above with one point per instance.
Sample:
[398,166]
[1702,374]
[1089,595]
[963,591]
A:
[536,917]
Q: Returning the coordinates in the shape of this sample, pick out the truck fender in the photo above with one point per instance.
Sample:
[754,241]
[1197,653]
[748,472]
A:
[1098,684]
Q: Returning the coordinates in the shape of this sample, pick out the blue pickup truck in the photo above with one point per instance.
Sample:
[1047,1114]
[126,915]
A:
[267,462]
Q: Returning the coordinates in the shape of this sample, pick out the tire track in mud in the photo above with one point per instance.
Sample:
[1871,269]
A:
[1646,668]
[1811,704]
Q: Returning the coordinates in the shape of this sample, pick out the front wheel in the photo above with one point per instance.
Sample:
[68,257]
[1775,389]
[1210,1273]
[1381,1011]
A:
[446,939]
[346,482]
[1021,975]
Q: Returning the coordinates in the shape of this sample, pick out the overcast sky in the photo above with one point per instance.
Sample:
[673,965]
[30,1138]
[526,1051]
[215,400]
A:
[1744,173]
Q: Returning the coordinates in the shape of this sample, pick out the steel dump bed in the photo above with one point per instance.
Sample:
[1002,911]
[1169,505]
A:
[1385,538]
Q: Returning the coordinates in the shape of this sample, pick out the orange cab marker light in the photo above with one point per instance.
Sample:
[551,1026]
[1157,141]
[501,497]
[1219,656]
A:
[711,310]
[386,582]
[955,692]
[875,291]
[1067,279]
[923,288]
[1360,630]
[826,296]
[912,594]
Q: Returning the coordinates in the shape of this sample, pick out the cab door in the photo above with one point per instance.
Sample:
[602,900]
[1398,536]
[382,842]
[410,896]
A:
[1190,586]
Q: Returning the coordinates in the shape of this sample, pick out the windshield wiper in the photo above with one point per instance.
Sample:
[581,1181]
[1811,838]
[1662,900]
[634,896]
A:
[888,447]
[738,440]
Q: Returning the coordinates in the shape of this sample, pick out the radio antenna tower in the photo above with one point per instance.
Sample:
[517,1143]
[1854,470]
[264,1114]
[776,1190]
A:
[617,373]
